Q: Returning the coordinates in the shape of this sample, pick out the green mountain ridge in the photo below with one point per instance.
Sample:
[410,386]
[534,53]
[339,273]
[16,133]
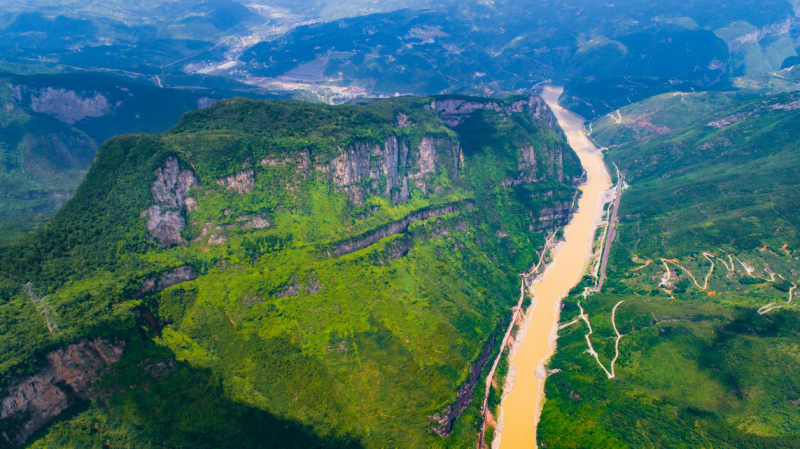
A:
[334,269]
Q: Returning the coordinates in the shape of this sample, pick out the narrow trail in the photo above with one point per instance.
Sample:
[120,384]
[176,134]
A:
[708,257]
[43,307]
[617,119]
[747,268]
[585,317]
[642,267]
[730,260]
[665,279]
[566,325]
[769,308]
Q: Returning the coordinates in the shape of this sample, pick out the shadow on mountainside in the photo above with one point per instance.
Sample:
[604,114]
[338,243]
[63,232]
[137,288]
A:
[158,402]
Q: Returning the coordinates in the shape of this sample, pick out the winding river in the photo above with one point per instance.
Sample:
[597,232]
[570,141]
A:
[536,340]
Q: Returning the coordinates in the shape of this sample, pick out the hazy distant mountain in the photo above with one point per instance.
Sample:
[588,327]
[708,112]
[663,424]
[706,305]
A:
[635,48]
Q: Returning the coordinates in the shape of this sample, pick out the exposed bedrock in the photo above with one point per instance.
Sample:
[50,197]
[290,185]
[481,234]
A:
[455,110]
[397,227]
[69,376]
[391,168]
[65,105]
[240,182]
[446,418]
[552,217]
[166,218]
[167,279]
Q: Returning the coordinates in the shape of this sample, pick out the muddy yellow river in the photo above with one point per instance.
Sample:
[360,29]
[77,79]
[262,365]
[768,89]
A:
[522,403]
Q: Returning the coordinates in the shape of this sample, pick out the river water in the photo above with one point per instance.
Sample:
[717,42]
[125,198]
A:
[535,342]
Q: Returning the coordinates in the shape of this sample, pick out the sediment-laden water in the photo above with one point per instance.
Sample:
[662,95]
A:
[522,403]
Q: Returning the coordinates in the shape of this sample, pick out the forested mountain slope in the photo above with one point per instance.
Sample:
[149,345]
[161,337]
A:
[703,277]
[279,274]
[51,126]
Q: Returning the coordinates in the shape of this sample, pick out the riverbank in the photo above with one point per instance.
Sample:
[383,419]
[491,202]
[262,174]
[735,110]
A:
[535,341]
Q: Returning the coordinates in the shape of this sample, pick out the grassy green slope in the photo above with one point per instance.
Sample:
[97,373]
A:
[359,348]
[726,180]
[697,367]
[659,115]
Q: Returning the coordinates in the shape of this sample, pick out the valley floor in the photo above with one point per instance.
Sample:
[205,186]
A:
[524,393]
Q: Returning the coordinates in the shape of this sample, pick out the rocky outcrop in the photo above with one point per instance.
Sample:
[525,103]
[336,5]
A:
[65,105]
[455,110]
[769,31]
[205,102]
[446,418]
[402,121]
[166,218]
[240,182]
[351,167]
[290,290]
[301,159]
[527,167]
[167,279]
[310,285]
[397,227]
[68,378]
[427,156]
[724,122]
[526,163]
[553,216]
[550,164]
[790,106]
[363,169]
[252,222]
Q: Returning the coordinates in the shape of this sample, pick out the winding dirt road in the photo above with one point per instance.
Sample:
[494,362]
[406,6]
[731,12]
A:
[585,317]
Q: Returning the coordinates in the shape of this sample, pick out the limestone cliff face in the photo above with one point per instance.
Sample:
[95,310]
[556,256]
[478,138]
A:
[455,110]
[65,105]
[69,376]
[772,30]
[528,167]
[558,214]
[239,182]
[397,227]
[166,218]
[168,279]
[396,166]
[392,168]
